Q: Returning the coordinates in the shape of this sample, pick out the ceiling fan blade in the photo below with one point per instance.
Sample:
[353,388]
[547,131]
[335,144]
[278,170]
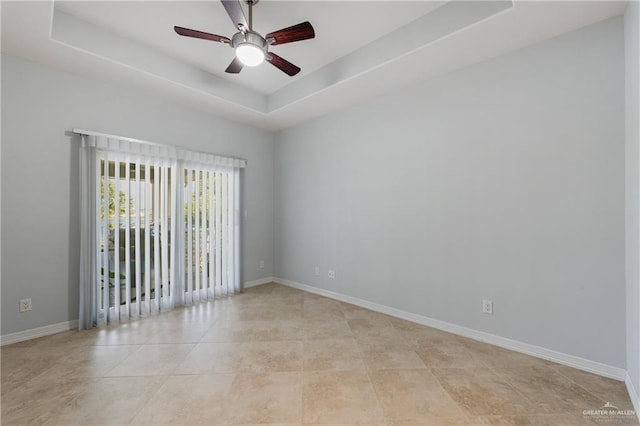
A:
[303,31]
[282,64]
[234,9]
[199,34]
[234,67]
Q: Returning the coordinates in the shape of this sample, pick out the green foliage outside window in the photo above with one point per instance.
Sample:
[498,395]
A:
[112,201]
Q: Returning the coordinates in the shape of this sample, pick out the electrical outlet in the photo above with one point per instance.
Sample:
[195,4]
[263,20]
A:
[487,307]
[261,264]
[25,305]
[331,274]
[317,271]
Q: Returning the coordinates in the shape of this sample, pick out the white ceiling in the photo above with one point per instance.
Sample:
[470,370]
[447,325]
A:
[362,49]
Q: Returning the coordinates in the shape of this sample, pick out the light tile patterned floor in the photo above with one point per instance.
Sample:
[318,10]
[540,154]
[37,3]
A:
[276,355]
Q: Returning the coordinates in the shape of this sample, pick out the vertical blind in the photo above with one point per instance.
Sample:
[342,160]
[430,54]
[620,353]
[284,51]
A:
[159,228]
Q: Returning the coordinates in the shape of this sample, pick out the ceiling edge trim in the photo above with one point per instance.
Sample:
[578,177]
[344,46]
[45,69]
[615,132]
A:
[501,6]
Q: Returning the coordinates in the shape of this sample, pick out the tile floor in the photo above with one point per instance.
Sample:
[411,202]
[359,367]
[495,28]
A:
[276,355]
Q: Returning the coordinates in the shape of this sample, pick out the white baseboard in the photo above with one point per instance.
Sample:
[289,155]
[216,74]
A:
[514,345]
[260,281]
[34,333]
[633,395]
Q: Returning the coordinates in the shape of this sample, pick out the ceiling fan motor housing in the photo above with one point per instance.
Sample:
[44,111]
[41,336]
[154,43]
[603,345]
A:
[251,48]
[249,37]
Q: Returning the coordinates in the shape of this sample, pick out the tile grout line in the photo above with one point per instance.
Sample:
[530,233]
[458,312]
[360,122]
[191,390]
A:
[577,384]
[366,368]
[156,391]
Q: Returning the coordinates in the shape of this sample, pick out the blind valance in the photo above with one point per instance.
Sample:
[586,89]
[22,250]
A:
[136,147]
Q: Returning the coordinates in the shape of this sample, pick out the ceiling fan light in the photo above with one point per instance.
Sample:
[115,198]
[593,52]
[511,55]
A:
[250,54]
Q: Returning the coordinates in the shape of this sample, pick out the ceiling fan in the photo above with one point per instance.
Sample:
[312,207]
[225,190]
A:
[251,48]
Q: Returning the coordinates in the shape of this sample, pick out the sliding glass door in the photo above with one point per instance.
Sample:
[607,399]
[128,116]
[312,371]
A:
[158,230]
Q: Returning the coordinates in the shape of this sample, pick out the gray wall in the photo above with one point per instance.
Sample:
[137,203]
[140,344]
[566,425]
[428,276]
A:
[40,229]
[502,181]
[632,92]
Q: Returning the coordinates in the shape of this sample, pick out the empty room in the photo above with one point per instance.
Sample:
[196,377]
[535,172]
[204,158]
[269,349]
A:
[243,212]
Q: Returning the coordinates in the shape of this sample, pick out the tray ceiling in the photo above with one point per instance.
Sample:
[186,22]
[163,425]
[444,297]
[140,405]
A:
[362,49]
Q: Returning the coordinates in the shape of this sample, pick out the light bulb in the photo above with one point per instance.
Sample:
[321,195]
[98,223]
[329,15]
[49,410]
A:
[250,54]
